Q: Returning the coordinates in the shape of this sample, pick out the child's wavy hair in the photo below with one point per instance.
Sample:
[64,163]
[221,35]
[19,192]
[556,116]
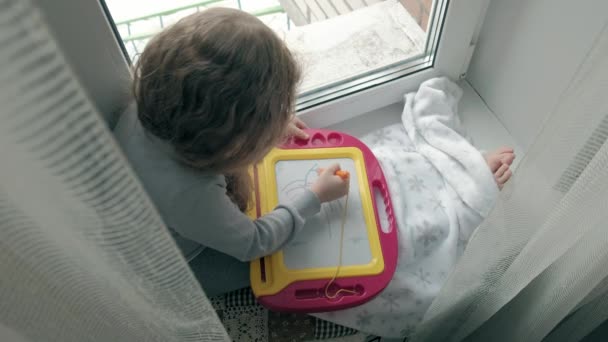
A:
[220,87]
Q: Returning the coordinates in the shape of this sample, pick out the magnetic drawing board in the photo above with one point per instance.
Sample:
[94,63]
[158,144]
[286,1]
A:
[317,245]
[295,279]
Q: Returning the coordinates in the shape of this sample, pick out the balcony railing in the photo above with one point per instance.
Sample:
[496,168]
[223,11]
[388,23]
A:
[131,38]
[298,12]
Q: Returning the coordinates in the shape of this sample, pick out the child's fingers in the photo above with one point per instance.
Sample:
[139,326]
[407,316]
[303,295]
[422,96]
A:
[494,164]
[505,177]
[343,174]
[299,123]
[508,158]
[333,168]
[501,171]
[294,131]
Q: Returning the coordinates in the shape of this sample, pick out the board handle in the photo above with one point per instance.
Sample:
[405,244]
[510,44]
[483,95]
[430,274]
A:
[386,216]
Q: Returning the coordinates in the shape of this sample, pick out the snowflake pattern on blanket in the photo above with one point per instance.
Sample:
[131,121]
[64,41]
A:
[441,189]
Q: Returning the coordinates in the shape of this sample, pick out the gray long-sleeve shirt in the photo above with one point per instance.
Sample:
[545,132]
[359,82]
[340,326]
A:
[194,204]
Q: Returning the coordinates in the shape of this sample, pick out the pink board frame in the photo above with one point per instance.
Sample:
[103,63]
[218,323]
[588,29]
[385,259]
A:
[309,296]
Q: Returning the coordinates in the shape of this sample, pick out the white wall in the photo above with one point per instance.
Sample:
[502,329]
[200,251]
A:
[89,45]
[527,53]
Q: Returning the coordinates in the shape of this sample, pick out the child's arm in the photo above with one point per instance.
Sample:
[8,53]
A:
[206,215]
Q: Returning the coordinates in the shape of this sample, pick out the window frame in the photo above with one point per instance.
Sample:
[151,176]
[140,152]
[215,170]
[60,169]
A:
[95,52]
[461,26]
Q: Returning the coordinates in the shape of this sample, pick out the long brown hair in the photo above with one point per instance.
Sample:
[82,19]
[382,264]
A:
[220,87]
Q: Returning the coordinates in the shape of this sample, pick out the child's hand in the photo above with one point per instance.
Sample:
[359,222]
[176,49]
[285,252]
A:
[329,186]
[295,129]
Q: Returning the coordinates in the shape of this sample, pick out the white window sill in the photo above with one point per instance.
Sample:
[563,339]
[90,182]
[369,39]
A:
[487,132]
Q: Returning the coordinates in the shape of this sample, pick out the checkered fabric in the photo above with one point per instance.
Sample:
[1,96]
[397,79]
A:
[325,330]
[242,297]
[238,309]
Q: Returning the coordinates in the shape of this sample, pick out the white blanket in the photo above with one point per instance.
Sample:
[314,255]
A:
[441,189]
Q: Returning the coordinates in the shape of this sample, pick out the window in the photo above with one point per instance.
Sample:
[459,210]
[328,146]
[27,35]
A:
[344,46]
[91,38]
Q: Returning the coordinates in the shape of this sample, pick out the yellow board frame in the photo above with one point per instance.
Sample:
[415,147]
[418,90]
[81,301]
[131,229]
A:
[277,275]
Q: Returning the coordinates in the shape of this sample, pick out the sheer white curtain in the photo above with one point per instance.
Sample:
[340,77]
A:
[542,254]
[84,256]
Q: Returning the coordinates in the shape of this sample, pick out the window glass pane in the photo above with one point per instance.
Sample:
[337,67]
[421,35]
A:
[343,45]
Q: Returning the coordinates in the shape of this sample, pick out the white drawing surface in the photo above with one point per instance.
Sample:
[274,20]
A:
[318,243]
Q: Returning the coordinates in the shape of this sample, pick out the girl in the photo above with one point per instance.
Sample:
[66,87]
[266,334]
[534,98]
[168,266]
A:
[214,93]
